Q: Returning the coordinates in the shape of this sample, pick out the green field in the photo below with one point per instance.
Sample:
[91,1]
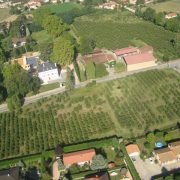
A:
[168,6]
[126,107]
[122,30]
[4,13]
[61,8]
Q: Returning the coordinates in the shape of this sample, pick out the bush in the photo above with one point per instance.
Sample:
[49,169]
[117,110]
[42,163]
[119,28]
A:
[101,70]
[83,75]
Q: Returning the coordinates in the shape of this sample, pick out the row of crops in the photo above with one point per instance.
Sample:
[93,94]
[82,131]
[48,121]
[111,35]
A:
[128,106]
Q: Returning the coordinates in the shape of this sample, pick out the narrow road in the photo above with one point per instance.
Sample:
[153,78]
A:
[32,99]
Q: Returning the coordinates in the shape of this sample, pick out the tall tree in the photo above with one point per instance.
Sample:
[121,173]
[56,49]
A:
[14,102]
[86,45]
[98,162]
[63,52]
[16,80]
[54,26]
[138,2]
[173,25]
[69,79]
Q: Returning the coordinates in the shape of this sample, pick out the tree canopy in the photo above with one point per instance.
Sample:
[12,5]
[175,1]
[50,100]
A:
[54,25]
[63,52]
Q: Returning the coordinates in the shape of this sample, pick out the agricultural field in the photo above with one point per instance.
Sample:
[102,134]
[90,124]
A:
[122,30]
[125,107]
[168,6]
[62,8]
[4,14]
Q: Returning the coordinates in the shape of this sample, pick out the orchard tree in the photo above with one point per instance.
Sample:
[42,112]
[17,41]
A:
[63,52]
[54,26]
[98,162]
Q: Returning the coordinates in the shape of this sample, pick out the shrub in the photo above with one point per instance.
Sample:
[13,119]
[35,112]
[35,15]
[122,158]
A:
[90,70]
[119,67]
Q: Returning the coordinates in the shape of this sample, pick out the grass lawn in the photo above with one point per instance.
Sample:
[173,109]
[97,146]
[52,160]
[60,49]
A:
[61,8]
[168,6]
[115,30]
[125,107]
[48,87]
[4,13]
[42,37]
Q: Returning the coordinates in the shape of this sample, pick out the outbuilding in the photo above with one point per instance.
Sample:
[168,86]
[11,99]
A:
[133,150]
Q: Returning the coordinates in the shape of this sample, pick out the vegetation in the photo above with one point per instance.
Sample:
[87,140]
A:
[98,162]
[100,70]
[4,14]
[167,6]
[126,107]
[119,67]
[109,30]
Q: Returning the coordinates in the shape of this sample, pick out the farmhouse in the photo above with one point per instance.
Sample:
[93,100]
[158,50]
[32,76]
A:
[175,147]
[133,150]
[79,157]
[139,61]
[171,15]
[126,51]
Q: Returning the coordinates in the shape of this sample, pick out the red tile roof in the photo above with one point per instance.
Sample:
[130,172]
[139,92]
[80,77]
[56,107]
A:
[132,148]
[127,50]
[172,14]
[139,58]
[78,157]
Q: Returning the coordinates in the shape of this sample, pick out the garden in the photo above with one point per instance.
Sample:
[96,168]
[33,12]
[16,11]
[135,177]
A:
[127,107]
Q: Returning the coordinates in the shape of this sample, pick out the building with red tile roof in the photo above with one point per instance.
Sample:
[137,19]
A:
[132,150]
[139,61]
[171,15]
[79,157]
[126,51]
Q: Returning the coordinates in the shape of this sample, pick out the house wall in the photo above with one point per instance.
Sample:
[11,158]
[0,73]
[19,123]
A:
[134,154]
[134,67]
[47,76]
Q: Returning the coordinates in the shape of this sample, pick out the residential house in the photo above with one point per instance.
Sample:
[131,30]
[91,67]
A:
[175,147]
[54,1]
[28,62]
[48,72]
[168,155]
[139,61]
[10,174]
[79,157]
[133,150]
[98,176]
[146,1]
[108,5]
[171,15]
[33,4]
[120,53]
[18,42]
[165,156]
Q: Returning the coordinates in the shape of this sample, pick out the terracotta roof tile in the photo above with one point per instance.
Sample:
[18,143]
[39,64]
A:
[132,148]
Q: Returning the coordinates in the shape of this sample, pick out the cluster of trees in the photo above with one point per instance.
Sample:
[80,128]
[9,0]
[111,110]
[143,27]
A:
[159,19]
[62,49]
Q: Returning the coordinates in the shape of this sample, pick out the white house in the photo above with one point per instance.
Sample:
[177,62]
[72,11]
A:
[47,72]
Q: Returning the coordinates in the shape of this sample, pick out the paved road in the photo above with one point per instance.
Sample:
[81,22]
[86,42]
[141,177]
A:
[28,100]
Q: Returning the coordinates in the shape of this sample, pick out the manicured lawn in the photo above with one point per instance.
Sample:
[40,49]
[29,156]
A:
[61,8]
[110,31]
[125,107]
[4,13]
[168,6]
[48,87]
